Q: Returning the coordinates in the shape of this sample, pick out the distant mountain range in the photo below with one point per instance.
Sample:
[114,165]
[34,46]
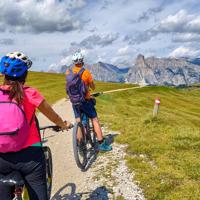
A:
[104,72]
[148,71]
[163,71]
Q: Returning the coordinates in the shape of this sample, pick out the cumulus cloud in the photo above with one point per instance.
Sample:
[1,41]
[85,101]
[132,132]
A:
[181,22]
[148,14]
[96,40]
[39,15]
[7,41]
[123,51]
[90,57]
[185,52]
[186,37]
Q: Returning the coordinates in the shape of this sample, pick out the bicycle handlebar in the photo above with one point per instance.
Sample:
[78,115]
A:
[97,94]
[54,128]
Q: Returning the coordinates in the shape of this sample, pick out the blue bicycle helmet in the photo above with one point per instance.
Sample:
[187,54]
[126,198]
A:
[14,64]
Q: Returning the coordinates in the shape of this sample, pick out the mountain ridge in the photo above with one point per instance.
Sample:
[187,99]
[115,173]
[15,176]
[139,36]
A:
[147,71]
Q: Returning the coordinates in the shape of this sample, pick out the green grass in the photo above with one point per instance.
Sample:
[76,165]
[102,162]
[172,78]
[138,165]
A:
[164,152]
[52,86]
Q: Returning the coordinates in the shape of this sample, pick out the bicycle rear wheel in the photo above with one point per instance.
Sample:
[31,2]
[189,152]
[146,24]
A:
[49,169]
[79,145]
[91,134]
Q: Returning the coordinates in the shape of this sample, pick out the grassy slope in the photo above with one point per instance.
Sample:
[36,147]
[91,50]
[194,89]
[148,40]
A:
[164,152]
[52,86]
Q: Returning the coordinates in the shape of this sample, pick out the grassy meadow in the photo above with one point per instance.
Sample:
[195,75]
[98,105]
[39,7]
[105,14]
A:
[52,86]
[164,152]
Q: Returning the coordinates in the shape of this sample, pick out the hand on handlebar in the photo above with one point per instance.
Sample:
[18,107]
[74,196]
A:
[67,126]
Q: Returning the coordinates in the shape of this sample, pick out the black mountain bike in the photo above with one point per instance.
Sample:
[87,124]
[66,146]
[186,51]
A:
[15,179]
[84,139]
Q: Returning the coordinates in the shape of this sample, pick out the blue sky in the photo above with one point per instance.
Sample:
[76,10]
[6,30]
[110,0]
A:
[112,31]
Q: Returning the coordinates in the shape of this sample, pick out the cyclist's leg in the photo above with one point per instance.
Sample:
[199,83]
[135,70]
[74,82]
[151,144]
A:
[89,108]
[77,114]
[5,191]
[34,172]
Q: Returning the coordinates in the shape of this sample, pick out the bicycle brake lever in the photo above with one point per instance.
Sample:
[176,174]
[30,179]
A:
[57,128]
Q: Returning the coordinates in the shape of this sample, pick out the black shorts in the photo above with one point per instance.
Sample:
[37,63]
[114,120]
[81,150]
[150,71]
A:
[30,162]
[87,107]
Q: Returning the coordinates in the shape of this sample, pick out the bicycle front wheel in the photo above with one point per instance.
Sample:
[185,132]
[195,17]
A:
[49,170]
[79,145]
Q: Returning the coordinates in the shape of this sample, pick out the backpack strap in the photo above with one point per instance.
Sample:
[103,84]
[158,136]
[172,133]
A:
[81,71]
[70,71]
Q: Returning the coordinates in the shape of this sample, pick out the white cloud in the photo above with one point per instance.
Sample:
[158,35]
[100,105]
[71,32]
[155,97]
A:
[39,16]
[123,51]
[90,57]
[92,41]
[181,22]
[186,37]
[184,52]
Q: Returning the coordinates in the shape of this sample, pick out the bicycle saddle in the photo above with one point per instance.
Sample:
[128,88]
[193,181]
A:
[12,179]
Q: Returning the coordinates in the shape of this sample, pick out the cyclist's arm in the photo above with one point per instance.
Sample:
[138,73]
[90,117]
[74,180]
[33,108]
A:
[48,111]
[92,85]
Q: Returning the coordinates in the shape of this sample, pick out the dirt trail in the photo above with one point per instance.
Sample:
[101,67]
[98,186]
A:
[65,170]
[77,184]
[123,89]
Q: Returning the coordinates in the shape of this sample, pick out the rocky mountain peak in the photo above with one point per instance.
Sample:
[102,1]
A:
[163,71]
[140,59]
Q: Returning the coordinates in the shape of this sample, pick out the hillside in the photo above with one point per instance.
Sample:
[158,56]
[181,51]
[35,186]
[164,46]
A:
[163,152]
[52,85]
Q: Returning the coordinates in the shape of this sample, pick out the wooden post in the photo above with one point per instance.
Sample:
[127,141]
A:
[156,107]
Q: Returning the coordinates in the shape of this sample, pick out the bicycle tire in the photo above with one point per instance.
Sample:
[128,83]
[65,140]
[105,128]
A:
[91,134]
[49,169]
[79,147]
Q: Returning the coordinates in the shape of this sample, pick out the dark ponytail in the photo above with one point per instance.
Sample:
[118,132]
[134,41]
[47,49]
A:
[16,91]
[16,87]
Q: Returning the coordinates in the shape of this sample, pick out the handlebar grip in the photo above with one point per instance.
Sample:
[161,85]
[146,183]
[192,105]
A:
[97,94]
[56,128]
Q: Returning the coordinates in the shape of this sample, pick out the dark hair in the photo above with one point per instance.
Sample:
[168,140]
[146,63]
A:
[16,84]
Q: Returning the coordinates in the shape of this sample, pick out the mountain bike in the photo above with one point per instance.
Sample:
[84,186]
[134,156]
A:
[15,179]
[84,139]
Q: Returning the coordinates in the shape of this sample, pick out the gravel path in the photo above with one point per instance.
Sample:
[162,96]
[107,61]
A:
[108,177]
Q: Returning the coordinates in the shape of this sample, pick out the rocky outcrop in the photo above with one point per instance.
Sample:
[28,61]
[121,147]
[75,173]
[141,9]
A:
[163,71]
[107,72]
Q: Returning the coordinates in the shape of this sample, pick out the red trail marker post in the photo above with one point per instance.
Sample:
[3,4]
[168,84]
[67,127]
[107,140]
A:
[156,107]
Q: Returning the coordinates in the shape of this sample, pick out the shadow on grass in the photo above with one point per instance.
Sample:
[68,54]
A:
[68,192]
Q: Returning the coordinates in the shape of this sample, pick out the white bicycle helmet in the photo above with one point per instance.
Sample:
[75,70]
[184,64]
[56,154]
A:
[15,64]
[20,56]
[77,58]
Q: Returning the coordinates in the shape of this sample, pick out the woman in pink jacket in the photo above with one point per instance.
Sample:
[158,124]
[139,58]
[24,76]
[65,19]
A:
[29,160]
